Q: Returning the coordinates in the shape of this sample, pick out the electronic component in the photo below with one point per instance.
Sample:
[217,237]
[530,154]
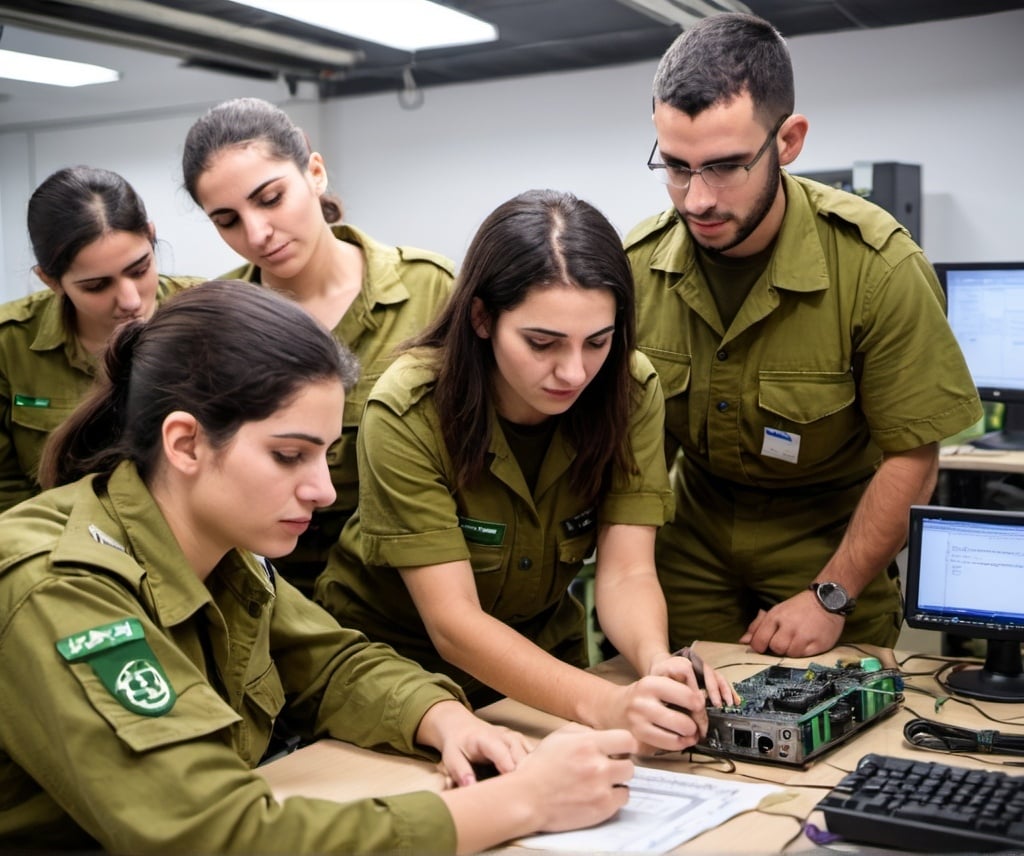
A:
[791,715]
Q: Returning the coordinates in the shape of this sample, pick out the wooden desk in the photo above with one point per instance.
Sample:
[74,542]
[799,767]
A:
[313,771]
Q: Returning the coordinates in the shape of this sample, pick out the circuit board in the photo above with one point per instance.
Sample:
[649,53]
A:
[792,715]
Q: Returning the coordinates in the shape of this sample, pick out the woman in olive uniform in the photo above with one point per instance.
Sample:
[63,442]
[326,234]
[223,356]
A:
[93,245]
[149,651]
[519,432]
[252,171]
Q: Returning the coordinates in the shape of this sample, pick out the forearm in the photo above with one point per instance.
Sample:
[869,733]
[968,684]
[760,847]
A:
[505,660]
[631,608]
[878,527]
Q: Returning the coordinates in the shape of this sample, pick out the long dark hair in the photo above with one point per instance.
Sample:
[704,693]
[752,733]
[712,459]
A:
[226,351]
[538,239]
[74,207]
[242,121]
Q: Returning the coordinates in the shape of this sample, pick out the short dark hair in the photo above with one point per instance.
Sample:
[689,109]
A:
[73,207]
[240,122]
[538,239]
[226,351]
[720,58]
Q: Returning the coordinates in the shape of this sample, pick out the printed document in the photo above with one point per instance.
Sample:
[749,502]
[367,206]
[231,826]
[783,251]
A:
[664,810]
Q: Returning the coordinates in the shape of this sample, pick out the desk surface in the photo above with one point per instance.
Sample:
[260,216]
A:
[969,457]
[313,771]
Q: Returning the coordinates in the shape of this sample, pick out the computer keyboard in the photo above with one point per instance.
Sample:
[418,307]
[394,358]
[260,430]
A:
[927,806]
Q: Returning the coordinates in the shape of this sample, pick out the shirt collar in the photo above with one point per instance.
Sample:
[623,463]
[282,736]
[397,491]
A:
[797,263]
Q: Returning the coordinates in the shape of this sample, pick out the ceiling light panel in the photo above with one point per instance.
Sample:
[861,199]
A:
[408,25]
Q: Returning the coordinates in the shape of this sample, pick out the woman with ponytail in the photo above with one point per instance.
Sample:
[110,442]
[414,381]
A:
[150,651]
[254,173]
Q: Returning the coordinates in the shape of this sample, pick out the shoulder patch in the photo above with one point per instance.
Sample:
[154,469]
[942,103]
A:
[122,659]
[415,254]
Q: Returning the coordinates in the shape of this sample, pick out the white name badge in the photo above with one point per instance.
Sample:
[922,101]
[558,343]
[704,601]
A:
[781,445]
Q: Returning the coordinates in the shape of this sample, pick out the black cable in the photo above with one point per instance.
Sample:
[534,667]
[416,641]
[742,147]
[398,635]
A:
[928,734]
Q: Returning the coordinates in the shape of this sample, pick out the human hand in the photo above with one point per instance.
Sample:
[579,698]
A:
[665,712]
[464,739]
[797,627]
[688,667]
[576,776]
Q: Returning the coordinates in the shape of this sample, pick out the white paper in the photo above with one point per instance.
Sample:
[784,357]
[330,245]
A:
[664,810]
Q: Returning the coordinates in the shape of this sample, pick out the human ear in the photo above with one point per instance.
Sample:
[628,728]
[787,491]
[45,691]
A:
[791,137]
[51,283]
[480,319]
[180,437]
[317,170]
[151,231]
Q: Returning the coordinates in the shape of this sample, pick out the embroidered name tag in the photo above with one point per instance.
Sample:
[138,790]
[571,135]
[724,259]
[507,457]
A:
[30,401]
[781,445]
[482,531]
[122,659]
[583,522]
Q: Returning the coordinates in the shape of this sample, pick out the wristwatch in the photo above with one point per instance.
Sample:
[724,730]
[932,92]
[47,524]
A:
[834,598]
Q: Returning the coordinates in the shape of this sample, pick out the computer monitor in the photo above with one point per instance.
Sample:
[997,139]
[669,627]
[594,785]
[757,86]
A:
[985,307]
[965,576]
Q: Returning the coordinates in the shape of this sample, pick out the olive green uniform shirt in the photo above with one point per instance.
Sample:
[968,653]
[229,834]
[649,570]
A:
[403,289]
[44,373]
[525,548]
[841,351]
[83,763]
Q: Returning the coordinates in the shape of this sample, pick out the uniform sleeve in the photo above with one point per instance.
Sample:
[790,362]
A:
[643,497]
[170,783]
[914,384]
[407,513]
[347,687]
[15,485]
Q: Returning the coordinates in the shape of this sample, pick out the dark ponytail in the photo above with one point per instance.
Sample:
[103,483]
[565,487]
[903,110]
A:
[228,352]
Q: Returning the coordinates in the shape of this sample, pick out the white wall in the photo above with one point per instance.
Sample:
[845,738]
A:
[946,95]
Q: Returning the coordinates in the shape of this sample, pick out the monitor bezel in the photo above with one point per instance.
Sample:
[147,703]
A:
[1009,394]
[928,619]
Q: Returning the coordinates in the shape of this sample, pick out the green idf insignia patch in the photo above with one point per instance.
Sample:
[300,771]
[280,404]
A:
[482,531]
[121,657]
[30,401]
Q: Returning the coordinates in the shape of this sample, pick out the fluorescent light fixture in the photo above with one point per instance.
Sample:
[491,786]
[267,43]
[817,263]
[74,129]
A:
[686,13]
[56,72]
[408,25]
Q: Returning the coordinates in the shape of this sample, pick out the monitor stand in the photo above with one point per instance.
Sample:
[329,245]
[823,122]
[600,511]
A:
[1000,679]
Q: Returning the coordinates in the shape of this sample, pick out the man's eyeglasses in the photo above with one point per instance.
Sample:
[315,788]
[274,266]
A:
[718,175]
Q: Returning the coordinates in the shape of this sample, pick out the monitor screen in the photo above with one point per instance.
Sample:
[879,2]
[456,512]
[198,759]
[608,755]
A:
[985,307]
[965,576]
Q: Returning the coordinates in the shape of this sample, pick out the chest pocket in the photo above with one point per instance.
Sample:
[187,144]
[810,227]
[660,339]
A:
[572,552]
[31,426]
[264,700]
[674,370]
[816,405]
[489,562]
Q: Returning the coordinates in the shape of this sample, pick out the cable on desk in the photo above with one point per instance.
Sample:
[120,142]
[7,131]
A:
[928,734]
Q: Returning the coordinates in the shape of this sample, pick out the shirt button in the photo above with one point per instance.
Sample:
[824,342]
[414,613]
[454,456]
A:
[722,406]
[722,355]
[525,563]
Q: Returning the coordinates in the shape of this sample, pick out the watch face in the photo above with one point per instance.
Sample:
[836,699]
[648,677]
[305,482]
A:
[832,596]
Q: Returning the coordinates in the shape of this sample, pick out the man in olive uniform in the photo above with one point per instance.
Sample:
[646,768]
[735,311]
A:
[809,372]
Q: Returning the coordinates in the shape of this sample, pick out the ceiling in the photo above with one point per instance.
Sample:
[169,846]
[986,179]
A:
[535,35]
